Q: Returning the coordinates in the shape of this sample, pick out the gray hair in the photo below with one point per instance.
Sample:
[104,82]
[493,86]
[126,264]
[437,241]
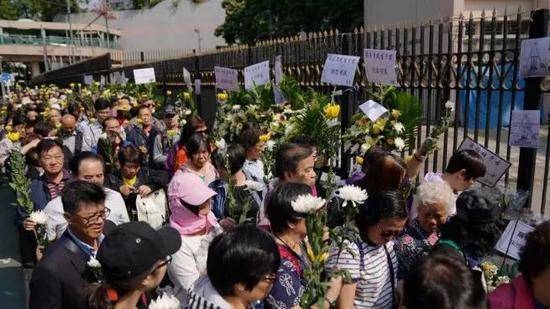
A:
[431,192]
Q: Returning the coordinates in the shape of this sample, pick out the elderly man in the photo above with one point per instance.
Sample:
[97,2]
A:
[86,166]
[72,138]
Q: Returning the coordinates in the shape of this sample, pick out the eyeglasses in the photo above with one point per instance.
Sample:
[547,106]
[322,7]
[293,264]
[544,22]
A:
[166,261]
[389,233]
[271,278]
[103,214]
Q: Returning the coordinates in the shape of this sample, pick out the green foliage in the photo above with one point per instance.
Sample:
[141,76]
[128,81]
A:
[249,21]
[411,115]
[19,181]
[43,10]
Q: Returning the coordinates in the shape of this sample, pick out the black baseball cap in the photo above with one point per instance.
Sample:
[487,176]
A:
[132,248]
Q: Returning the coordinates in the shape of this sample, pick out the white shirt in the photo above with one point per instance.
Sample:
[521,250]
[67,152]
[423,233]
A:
[90,134]
[189,263]
[56,225]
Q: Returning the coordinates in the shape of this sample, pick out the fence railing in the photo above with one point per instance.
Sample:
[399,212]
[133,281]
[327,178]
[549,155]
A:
[471,61]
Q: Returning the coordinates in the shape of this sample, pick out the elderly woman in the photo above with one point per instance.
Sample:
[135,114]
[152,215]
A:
[431,204]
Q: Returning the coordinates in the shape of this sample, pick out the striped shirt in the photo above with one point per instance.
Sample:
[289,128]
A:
[369,269]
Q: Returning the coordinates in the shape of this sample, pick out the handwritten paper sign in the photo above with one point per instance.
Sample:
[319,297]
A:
[496,166]
[512,241]
[144,76]
[534,58]
[256,75]
[197,86]
[102,80]
[187,78]
[278,69]
[373,110]
[226,78]
[524,128]
[339,70]
[88,79]
[380,66]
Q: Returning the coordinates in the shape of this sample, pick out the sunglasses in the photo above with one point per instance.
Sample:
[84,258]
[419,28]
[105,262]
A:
[389,233]
[271,278]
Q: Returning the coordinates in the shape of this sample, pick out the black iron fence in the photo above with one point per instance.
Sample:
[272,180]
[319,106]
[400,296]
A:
[473,61]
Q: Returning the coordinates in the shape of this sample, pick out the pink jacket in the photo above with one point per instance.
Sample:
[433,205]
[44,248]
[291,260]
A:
[515,295]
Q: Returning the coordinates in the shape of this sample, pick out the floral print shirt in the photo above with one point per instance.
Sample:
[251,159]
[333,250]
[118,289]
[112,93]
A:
[413,245]
[289,287]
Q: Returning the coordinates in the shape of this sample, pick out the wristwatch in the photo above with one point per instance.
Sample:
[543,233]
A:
[332,303]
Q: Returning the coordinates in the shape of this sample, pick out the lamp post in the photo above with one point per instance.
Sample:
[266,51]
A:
[199,39]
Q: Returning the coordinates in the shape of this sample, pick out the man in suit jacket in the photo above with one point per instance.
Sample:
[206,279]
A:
[61,278]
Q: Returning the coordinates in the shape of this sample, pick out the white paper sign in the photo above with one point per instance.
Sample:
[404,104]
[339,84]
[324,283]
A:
[116,78]
[278,69]
[102,80]
[123,79]
[373,110]
[534,59]
[524,128]
[256,75]
[144,76]
[278,95]
[88,79]
[197,86]
[495,165]
[187,78]
[339,69]
[226,78]
[380,66]
[516,240]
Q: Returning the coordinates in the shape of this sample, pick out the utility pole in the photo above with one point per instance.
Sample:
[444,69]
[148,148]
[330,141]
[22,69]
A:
[198,32]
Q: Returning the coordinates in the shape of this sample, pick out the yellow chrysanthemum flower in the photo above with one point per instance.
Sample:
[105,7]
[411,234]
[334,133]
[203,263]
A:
[332,111]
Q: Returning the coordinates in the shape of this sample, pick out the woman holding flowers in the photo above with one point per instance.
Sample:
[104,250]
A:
[432,203]
[370,259]
[287,209]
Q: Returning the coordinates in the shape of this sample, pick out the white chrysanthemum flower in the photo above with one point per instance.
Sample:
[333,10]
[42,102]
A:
[351,194]
[333,122]
[270,145]
[307,203]
[399,143]
[236,107]
[399,127]
[450,105]
[221,144]
[254,185]
[94,263]
[39,217]
[165,301]
[103,135]
[187,112]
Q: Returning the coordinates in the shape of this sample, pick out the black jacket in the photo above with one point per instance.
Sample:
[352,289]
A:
[61,278]
[154,179]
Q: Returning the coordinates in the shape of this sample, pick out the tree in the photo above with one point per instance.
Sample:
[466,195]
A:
[249,21]
[43,10]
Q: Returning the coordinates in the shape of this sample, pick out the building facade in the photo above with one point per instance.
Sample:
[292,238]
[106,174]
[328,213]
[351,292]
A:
[49,45]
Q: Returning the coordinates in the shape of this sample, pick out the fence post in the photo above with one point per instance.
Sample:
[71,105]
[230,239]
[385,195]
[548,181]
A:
[348,98]
[538,28]
[198,76]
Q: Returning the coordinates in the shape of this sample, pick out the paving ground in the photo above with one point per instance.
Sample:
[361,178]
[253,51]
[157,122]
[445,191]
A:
[12,291]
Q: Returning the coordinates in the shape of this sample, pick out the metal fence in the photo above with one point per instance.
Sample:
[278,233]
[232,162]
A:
[471,61]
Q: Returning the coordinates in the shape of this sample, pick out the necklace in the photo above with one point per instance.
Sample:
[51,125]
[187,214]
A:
[286,244]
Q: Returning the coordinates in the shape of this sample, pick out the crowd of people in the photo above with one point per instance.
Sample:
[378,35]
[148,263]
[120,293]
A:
[138,205]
